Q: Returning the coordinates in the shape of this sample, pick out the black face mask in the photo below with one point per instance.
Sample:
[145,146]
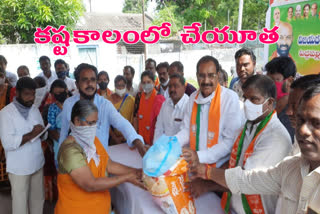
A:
[103,85]
[61,97]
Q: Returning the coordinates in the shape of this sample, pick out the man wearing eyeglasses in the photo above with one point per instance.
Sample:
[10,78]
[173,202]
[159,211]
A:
[210,122]
[285,41]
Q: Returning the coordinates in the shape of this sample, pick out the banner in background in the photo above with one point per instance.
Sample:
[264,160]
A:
[299,33]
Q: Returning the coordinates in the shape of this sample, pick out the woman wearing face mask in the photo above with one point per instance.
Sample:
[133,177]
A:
[84,165]
[124,103]
[103,81]
[59,91]
[147,107]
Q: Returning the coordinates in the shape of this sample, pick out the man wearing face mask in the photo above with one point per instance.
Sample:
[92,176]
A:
[282,71]
[162,70]
[124,103]
[147,107]
[103,81]
[86,79]
[20,124]
[254,147]
[61,70]
[211,120]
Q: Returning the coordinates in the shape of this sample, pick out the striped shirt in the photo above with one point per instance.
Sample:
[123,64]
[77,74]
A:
[290,179]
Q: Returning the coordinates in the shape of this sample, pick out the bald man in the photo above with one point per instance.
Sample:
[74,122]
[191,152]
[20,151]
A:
[285,41]
[314,8]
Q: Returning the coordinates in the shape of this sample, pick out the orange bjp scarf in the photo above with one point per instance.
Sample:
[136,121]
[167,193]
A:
[213,123]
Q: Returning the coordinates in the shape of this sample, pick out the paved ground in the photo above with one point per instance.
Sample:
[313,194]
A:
[5,202]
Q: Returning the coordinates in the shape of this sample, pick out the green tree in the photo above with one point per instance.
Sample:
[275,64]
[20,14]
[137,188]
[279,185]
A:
[134,6]
[20,18]
[211,13]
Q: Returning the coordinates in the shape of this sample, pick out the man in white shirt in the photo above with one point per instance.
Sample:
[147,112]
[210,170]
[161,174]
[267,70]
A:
[47,74]
[297,88]
[256,142]
[296,179]
[211,119]
[61,70]
[20,125]
[245,65]
[162,70]
[170,118]
[128,73]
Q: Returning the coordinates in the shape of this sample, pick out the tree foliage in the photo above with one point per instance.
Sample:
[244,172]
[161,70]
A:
[134,6]
[212,13]
[20,18]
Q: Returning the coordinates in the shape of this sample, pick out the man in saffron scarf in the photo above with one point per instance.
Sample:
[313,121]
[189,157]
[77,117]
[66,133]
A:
[211,120]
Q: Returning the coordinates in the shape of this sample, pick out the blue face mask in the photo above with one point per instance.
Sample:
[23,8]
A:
[62,74]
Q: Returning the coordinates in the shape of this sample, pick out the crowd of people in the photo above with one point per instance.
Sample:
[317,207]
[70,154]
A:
[254,142]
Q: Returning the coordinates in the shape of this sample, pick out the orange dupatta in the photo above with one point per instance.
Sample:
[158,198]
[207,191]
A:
[73,199]
[213,123]
[253,201]
[144,116]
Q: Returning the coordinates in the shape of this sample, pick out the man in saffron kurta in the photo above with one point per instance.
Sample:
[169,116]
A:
[212,117]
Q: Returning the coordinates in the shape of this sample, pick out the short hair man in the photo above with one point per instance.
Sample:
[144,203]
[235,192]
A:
[302,170]
[177,67]
[151,65]
[206,124]
[298,87]
[282,71]
[290,14]
[61,69]
[86,80]
[262,133]
[47,74]
[306,10]
[223,78]
[245,67]
[170,118]
[20,124]
[162,70]
[285,41]
[128,73]
[23,71]
[314,8]
[11,77]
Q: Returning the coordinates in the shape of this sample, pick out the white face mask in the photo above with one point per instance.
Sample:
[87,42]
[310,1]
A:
[147,88]
[253,111]
[84,135]
[121,92]
[166,83]
[2,80]
[40,94]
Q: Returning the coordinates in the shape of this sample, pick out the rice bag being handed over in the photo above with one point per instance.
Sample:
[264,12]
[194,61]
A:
[165,174]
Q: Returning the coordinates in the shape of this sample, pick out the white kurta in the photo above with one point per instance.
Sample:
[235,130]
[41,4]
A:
[71,84]
[291,180]
[170,118]
[275,135]
[25,159]
[230,124]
